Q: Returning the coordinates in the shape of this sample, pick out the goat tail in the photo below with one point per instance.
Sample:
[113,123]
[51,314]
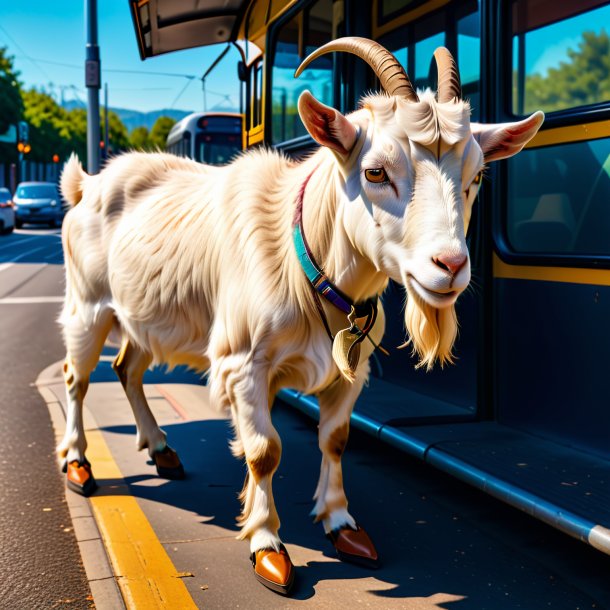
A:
[72,178]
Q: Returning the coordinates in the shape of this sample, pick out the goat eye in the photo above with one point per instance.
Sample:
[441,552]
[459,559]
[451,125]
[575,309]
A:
[376,175]
[478,178]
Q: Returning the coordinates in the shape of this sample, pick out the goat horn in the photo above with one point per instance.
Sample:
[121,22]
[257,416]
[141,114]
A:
[449,84]
[388,70]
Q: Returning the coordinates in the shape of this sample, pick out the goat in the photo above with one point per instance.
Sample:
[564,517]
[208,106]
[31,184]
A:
[220,268]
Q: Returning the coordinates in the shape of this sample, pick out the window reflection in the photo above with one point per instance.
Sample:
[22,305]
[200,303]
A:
[456,26]
[424,52]
[469,59]
[560,54]
[286,123]
[559,199]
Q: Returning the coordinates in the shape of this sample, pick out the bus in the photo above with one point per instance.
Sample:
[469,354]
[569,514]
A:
[524,414]
[208,137]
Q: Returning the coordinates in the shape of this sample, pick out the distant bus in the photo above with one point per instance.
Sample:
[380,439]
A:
[208,137]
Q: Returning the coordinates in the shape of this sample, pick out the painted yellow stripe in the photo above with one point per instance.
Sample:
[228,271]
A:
[573,133]
[145,573]
[570,275]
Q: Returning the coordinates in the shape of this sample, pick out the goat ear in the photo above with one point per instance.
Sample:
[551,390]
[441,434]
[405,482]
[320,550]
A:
[504,140]
[326,125]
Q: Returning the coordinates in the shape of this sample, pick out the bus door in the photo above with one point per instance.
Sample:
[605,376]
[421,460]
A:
[552,230]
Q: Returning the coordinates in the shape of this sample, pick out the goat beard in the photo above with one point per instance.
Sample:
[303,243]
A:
[431,331]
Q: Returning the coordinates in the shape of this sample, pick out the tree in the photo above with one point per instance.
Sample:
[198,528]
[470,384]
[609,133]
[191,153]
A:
[118,139]
[11,105]
[160,131]
[139,139]
[584,79]
[49,128]
[77,121]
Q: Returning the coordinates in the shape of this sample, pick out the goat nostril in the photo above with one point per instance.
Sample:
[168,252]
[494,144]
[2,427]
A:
[439,263]
[450,263]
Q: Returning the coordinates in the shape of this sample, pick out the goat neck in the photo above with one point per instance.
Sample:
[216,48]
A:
[330,244]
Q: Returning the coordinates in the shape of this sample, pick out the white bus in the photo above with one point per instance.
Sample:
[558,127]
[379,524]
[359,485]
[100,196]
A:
[208,137]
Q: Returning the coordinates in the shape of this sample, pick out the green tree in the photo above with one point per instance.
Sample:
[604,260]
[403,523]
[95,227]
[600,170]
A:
[49,128]
[11,105]
[77,124]
[139,139]
[117,132]
[584,79]
[160,131]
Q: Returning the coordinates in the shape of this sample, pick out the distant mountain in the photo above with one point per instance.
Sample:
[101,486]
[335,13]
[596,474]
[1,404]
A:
[134,118]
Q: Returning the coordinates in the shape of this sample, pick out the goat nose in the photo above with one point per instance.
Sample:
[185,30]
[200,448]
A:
[450,262]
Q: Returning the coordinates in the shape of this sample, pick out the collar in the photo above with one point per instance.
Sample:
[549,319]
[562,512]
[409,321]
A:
[316,276]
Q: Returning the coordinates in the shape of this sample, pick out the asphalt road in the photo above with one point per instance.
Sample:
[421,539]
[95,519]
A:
[463,549]
[40,563]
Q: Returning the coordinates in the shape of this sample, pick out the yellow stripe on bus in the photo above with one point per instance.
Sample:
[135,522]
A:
[572,133]
[145,573]
[570,275]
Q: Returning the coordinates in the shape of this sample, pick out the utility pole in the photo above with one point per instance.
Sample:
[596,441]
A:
[106,150]
[92,82]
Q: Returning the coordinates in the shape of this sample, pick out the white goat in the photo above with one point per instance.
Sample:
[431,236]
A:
[204,266]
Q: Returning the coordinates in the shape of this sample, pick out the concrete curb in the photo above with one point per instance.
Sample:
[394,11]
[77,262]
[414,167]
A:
[104,587]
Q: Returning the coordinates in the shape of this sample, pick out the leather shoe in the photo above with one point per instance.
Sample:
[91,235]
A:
[354,546]
[80,478]
[274,569]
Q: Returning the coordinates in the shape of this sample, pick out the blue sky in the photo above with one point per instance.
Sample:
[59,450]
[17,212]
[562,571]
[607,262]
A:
[547,47]
[38,32]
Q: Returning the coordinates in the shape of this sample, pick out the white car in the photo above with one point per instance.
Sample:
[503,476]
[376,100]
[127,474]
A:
[7,211]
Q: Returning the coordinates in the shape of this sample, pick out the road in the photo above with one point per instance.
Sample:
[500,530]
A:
[40,562]
[443,544]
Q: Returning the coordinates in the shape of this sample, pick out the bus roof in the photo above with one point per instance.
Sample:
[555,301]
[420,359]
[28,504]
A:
[163,26]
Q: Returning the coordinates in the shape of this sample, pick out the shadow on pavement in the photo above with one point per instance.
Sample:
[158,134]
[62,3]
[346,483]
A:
[422,552]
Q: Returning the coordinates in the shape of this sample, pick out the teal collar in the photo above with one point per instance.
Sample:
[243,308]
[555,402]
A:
[317,278]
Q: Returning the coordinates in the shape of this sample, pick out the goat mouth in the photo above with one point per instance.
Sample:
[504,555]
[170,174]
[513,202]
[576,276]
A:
[432,297]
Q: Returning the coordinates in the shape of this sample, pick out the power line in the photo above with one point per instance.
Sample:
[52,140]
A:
[189,77]
[34,61]
[116,70]
[180,94]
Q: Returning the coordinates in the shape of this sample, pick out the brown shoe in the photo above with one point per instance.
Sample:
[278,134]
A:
[80,478]
[168,463]
[274,569]
[354,546]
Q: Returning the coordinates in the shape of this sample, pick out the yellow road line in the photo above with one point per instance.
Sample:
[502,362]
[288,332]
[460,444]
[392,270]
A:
[145,573]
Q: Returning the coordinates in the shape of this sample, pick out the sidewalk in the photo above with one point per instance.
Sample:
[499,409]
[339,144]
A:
[181,548]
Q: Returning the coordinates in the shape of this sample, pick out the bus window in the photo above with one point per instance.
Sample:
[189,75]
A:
[558,199]
[300,36]
[469,59]
[256,88]
[217,149]
[456,26]
[424,52]
[559,54]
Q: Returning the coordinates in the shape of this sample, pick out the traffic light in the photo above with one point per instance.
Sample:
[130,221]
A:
[55,158]
[23,143]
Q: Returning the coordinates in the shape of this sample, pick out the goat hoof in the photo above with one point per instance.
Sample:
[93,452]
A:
[79,478]
[274,569]
[168,464]
[354,546]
